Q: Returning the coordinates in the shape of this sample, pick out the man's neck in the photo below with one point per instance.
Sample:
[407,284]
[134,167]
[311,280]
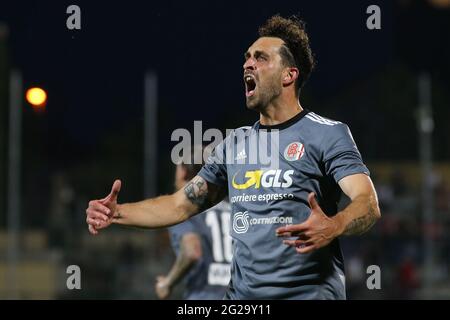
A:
[279,111]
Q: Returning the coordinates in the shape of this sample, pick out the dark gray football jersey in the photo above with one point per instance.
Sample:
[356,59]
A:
[309,154]
[209,277]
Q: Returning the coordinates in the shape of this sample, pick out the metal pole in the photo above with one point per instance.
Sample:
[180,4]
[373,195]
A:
[426,126]
[14,161]
[150,134]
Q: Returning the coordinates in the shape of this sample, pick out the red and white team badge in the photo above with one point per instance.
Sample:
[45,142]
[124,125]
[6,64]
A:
[294,151]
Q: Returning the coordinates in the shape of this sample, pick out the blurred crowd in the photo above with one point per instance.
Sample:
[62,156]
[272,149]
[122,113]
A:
[397,243]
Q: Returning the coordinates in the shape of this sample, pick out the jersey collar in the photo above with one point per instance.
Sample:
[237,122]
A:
[285,124]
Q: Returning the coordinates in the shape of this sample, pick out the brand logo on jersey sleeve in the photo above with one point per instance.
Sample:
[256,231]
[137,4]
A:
[294,151]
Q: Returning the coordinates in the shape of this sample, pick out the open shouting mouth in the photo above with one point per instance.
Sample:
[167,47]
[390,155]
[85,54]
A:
[250,85]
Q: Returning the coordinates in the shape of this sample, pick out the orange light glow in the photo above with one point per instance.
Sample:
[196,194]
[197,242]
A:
[36,97]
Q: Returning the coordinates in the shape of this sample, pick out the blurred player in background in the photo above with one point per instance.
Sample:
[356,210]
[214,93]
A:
[202,246]
[285,219]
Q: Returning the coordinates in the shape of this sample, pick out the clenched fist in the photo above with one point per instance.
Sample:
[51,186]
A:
[100,213]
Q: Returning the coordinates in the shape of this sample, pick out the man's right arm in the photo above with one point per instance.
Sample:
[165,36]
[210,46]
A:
[162,211]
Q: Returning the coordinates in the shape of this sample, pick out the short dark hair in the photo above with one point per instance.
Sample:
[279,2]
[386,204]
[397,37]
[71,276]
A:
[296,51]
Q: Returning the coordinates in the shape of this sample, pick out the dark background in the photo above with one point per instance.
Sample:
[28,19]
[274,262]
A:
[91,131]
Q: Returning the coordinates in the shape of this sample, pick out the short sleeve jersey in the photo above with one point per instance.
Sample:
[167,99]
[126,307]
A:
[313,154]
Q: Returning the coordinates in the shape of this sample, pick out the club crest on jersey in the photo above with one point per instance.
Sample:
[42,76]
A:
[294,151]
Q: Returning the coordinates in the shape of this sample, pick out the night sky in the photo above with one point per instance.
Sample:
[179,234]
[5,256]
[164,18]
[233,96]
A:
[94,76]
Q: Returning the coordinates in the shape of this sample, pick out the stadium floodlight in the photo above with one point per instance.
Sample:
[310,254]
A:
[37,97]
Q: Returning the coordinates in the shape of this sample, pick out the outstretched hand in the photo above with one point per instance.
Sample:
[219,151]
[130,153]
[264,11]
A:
[314,233]
[100,213]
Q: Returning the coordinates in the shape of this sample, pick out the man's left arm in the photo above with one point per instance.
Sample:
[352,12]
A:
[363,211]
[319,229]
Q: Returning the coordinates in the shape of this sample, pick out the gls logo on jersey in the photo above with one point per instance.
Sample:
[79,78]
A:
[266,179]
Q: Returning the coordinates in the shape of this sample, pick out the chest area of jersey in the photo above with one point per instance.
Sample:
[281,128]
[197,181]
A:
[283,165]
